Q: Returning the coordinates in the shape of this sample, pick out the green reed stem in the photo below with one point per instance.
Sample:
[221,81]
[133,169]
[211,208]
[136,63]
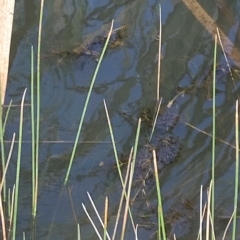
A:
[159,52]
[18,168]
[236,174]
[113,143]
[214,129]
[86,104]
[124,184]
[33,133]
[38,110]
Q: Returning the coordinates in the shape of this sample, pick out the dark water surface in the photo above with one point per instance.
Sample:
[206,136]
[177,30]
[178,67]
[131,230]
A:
[127,80]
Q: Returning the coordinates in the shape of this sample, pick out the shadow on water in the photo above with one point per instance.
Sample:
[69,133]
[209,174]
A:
[127,80]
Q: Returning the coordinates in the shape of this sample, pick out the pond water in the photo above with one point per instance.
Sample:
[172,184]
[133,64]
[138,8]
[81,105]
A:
[127,81]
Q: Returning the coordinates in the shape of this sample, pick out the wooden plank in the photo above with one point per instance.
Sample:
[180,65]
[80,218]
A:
[6,19]
[211,27]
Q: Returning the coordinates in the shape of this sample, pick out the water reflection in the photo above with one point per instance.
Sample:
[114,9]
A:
[127,80]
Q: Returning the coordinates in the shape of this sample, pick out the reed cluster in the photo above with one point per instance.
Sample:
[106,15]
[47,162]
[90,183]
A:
[9,198]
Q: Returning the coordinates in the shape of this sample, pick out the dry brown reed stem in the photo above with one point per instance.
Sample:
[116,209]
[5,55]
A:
[208,210]
[105,216]
[123,194]
[210,25]
[63,142]
[227,227]
[208,134]
[200,213]
[2,219]
[226,59]
[6,19]
[97,213]
[155,119]
[11,211]
[72,204]
[129,183]
[90,219]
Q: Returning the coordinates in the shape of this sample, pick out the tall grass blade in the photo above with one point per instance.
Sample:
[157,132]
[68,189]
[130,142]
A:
[96,211]
[78,232]
[201,213]
[132,171]
[204,209]
[3,220]
[9,203]
[86,104]
[122,195]
[11,208]
[2,144]
[136,142]
[117,160]
[3,160]
[113,143]
[1,186]
[38,110]
[136,232]
[208,211]
[105,218]
[212,227]
[229,222]
[214,129]
[90,219]
[7,163]
[236,173]
[161,223]
[15,211]
[127,200]
[33,133]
